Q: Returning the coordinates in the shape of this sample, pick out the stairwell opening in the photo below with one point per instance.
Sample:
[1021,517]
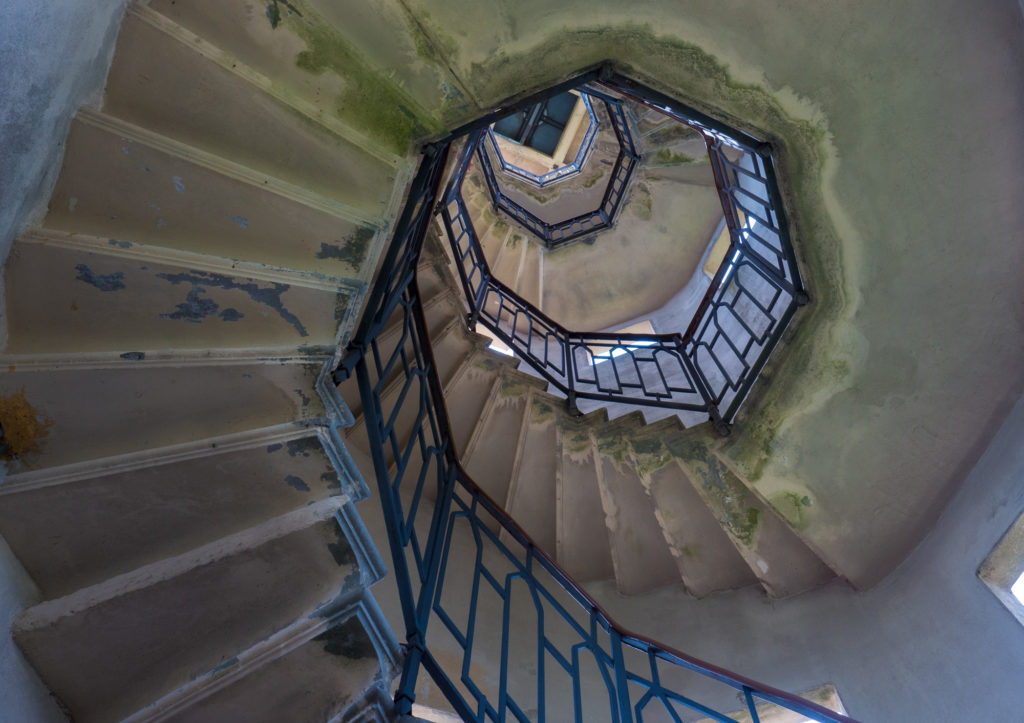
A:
[688,231]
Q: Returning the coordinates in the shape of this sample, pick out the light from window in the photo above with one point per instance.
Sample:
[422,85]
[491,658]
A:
[1018,588]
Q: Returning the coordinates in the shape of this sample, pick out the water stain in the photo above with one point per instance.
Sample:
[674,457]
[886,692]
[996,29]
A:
[103,282]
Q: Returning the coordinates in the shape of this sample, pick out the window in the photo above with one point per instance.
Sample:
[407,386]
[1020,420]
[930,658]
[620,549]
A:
[1003,571]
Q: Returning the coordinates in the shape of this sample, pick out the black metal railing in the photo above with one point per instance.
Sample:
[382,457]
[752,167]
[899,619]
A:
[577,227]
[500,628]
[710,364]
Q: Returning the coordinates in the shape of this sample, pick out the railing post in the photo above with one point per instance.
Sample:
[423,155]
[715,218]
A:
[621,680]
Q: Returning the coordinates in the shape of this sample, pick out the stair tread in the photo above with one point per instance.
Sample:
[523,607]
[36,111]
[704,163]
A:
[111,522]
[115,184]
[78,298]
[111,649]
[102,412]
[532,493]
[162,84]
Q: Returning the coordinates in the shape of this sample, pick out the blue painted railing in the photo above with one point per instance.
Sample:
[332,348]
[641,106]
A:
[562,172]
[503,632]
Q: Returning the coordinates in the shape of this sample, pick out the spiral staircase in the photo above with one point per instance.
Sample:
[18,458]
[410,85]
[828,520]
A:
[182,475]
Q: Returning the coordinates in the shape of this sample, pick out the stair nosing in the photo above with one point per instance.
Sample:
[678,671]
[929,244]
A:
[50,611]
[154,457]
[191,260]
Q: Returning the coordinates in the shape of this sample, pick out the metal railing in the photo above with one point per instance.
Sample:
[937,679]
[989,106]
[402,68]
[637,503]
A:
[562,172]
[708,366]
[575,228]
[502,630]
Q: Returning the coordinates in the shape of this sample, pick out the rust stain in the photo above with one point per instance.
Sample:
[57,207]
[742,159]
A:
[10,368]
[23,426]
[74,305]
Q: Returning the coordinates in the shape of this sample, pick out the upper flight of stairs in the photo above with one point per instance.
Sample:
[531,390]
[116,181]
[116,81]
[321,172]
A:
[649,505]
[175,485]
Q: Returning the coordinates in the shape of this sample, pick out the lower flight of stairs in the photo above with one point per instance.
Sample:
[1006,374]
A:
[175,484]
[649,505]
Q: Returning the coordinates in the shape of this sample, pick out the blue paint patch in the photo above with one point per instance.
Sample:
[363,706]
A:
[122,244]
[331,478]
[134,355]
[242,221]
[179,185]
[296,483]
[268,295]
[225,665]
[152,205]
[146,169]
[160,223]
[231,315]
[247,376]
[103,282]
[125,150]
[273,448]
[193,309]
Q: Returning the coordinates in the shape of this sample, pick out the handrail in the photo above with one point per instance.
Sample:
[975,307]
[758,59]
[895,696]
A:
[562,172]
[467,534]
[585,224]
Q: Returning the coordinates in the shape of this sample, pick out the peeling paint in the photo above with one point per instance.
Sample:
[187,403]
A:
[273,448]
[231,315]
[179,185]
[242,221]
[341,550]
[331,478]
[354,250]
[226,664]
[348,640]
[196,309]
[303,446]
[134,355]
[103,282]
[120,244]
[297,483]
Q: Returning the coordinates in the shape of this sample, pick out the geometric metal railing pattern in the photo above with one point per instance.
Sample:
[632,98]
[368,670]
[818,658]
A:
[573,229]
[708,366]
[562,172]
[470,581]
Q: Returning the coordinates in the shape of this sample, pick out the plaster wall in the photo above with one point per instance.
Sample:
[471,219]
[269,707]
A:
[55,57]
[930,643]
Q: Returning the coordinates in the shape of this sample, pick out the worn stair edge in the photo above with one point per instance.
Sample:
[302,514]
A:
[50,611]
[359,603]
[227,168]
[231,64]
[57,361]
[104,466]
[807,542]
[192,261]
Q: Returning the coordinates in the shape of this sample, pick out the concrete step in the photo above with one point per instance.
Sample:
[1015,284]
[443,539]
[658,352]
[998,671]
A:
[119,181]
[63,413]
[327,667]
[491,452]
[345,63]
[704,554]
[83,294]
[530,282]
[110,649]
[640,552]
[783,564]
[532,492]
[113,515]
[582,537]
[161,83]
[468,390]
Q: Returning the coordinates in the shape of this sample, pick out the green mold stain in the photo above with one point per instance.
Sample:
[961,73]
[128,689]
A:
[354,250]
[370,100]
[666,157]
[794,508]
[591,182]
